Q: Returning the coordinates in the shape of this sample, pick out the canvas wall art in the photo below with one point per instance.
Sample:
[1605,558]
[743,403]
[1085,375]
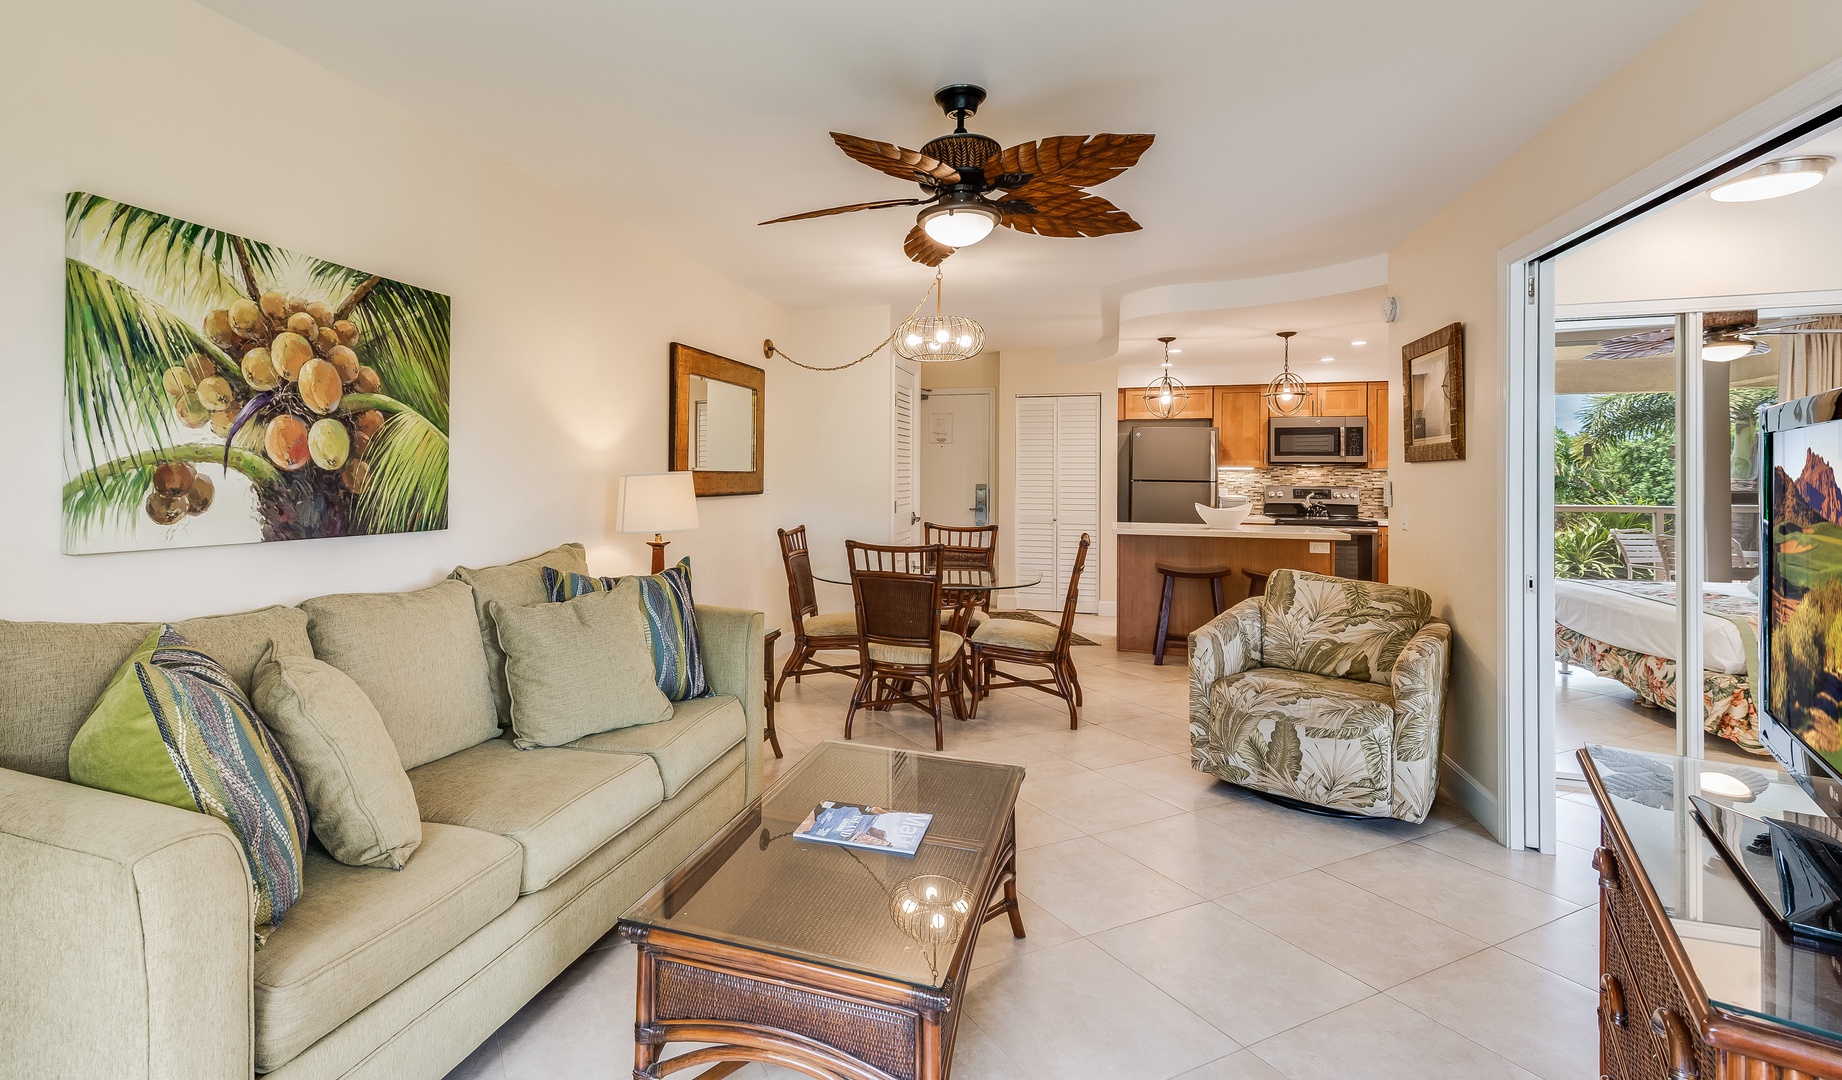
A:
[220,390]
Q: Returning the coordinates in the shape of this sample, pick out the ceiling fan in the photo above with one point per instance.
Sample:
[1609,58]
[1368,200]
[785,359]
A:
[970,186]
[1726,335]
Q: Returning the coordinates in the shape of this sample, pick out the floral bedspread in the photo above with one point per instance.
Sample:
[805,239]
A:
[1728,699]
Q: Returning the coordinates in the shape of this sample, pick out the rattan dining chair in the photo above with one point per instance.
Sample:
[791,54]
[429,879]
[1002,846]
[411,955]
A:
[1014,641]
[901,647]
[812,632]
[969,547]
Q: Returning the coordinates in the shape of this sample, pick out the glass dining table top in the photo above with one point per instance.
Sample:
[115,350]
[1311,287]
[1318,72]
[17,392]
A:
[841,906]
[1745,961]
[961,578]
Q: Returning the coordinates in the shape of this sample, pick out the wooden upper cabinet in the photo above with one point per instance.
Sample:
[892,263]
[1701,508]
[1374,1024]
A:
[1198,404]
[1381,425]
[1240,426]
[1340,399]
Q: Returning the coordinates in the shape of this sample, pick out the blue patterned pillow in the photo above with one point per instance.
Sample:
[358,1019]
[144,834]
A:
[671,623]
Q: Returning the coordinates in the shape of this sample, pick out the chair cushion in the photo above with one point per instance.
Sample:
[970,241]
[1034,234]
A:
[174,728]
[577,668]
[979,618]
[950,643]
[51,674]
[833,624]
[359,932]
[519,583]
[1017,634]
[1325,741]
[419,658]
[698,733]
[361,805]
[1337,627]
[559,804]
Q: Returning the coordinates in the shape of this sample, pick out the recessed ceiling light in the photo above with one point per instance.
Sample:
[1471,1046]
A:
[1786,176]
[1358,343]
[1325,359]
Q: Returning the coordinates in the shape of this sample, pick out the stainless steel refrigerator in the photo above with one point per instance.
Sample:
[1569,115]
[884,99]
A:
[1170,470]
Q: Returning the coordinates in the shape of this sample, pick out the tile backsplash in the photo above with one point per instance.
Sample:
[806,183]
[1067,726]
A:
[1254,482]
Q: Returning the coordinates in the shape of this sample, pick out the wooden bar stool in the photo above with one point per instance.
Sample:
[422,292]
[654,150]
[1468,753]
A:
[1212,574]
[1256,583]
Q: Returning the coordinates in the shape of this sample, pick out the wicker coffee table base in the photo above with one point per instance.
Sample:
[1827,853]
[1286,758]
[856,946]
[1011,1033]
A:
[823,1021]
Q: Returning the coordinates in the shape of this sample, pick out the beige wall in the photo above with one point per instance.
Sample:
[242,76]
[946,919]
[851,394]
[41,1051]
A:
[561,321]
[1445,522]
[1034,371]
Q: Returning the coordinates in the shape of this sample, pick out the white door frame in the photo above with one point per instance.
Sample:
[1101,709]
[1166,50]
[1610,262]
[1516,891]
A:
[991,438]
[1525,805]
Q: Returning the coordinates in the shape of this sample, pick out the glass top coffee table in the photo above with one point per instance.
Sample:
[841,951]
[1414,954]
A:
[851,962]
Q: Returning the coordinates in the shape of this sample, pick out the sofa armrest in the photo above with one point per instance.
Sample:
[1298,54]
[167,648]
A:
[126,932]
[730,639]
[1419,685]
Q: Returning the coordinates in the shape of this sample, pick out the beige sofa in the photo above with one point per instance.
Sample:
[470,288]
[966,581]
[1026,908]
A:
[125,926]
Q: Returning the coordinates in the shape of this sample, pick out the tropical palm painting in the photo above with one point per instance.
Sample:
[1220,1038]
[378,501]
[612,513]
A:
[220,390]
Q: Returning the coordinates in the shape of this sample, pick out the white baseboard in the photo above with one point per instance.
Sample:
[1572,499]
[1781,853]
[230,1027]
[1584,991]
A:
[1473,796]
[1109,609]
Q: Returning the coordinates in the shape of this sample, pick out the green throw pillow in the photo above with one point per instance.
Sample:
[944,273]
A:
[671,623]
[364,810]
[173,727]
[578,668]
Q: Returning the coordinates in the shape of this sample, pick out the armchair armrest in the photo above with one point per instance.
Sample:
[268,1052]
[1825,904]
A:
[127,936]
[1419,704]
[730,639]
[1225,645]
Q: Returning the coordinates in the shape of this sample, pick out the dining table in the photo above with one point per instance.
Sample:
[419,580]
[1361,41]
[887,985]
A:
[962,586]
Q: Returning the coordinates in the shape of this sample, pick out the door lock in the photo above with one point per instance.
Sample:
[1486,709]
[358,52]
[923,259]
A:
[981,503]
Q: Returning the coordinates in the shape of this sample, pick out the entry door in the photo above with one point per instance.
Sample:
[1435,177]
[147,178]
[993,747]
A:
[904,390]
[1058,497]
[955,436]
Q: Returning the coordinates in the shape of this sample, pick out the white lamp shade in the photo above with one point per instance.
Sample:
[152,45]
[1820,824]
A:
[658,503]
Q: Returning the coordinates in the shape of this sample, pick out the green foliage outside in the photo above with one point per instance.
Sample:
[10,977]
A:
[1810,643]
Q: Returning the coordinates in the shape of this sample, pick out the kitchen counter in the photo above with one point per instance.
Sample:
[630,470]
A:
[1261,549]
[1250,530]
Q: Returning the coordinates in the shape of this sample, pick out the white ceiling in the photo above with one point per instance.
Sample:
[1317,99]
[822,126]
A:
[1239,346]
[1290,135]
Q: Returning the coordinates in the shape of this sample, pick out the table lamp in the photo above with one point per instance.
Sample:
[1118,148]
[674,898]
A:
[657,503]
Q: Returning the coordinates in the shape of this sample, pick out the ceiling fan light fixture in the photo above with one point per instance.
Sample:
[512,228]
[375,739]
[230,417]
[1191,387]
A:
[958,223]
[1774,179]
[1726,348]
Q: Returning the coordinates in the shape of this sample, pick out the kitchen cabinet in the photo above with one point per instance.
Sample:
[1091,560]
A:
[1340,399]
[1198,404]
[1381,424]
[1240,424]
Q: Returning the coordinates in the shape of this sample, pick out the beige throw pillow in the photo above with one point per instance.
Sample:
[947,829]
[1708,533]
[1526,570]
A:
[517,584]
[362,807]
[576,668]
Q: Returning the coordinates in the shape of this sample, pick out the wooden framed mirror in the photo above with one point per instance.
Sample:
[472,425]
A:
[718,406]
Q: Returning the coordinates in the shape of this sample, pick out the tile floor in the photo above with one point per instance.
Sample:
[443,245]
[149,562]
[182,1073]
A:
[1591,709]
[1181,928]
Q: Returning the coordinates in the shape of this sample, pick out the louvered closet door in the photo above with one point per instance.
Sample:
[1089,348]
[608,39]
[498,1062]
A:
[903,517]
[1058,497]
[1034,514]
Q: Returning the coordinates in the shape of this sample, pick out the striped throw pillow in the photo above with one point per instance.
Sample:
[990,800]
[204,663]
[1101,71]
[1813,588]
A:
[174,727]
[671,622]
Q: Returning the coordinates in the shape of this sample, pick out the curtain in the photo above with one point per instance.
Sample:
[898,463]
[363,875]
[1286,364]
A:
[1811,363]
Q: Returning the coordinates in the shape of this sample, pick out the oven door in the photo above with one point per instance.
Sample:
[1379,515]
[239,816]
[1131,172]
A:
[1304,442]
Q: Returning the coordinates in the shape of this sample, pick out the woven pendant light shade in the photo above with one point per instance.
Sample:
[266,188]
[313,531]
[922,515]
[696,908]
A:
[939,338]
[1288,393]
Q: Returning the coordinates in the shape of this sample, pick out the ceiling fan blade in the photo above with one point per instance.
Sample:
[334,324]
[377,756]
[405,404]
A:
[847,209]
[1071,160]
[1790,330]
[1065,211]
[924,249]
[1635,346]
[897,161]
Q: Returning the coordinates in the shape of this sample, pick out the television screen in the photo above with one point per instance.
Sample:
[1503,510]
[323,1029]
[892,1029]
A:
[1803,578]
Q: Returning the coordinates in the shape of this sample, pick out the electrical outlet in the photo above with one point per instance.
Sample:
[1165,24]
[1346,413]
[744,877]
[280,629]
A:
[1320,547]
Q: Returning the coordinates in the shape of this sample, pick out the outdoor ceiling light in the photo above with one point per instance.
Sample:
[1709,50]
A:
[958,222]
[1726,348]
[1786,176]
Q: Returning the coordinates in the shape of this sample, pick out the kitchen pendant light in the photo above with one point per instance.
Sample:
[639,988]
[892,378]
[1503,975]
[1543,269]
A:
[1165,396]
[939,338]
[1287,393]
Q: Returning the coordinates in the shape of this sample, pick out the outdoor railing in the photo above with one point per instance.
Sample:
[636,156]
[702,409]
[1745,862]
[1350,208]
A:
[1657,514]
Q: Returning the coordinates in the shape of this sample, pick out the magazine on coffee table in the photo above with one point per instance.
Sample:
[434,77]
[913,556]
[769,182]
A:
[864,827]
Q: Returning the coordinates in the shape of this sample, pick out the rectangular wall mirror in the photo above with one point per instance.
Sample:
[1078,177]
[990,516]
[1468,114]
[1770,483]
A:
[717,410]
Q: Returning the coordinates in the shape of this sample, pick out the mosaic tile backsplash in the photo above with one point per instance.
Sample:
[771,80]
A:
[1254,482]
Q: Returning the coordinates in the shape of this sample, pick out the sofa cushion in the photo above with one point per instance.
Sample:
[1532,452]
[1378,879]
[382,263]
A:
[671,622]
[359,932]
[51,674]
[520,584]
[698,733]
[1338,627]
[363,809]
[559,804]
[418,657]
[1326,741]
[577,668]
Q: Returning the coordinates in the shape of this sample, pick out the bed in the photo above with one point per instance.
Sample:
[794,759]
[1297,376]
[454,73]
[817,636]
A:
[1626,630]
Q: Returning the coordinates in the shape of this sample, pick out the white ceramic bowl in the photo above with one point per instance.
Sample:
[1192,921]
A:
[1226,518]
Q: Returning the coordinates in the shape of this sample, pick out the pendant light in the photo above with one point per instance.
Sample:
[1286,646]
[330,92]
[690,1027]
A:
[1165,396]
[939,338]
[1287,393]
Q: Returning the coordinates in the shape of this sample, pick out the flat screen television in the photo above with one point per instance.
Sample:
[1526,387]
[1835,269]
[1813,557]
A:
[1799,698]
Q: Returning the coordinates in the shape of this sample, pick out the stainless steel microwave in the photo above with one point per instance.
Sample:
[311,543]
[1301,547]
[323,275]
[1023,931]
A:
[1317,440]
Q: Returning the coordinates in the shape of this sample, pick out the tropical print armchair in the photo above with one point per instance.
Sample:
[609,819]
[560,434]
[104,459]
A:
[1324,690]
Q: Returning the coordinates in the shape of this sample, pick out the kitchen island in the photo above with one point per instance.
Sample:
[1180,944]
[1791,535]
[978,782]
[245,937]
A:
[1259,548]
